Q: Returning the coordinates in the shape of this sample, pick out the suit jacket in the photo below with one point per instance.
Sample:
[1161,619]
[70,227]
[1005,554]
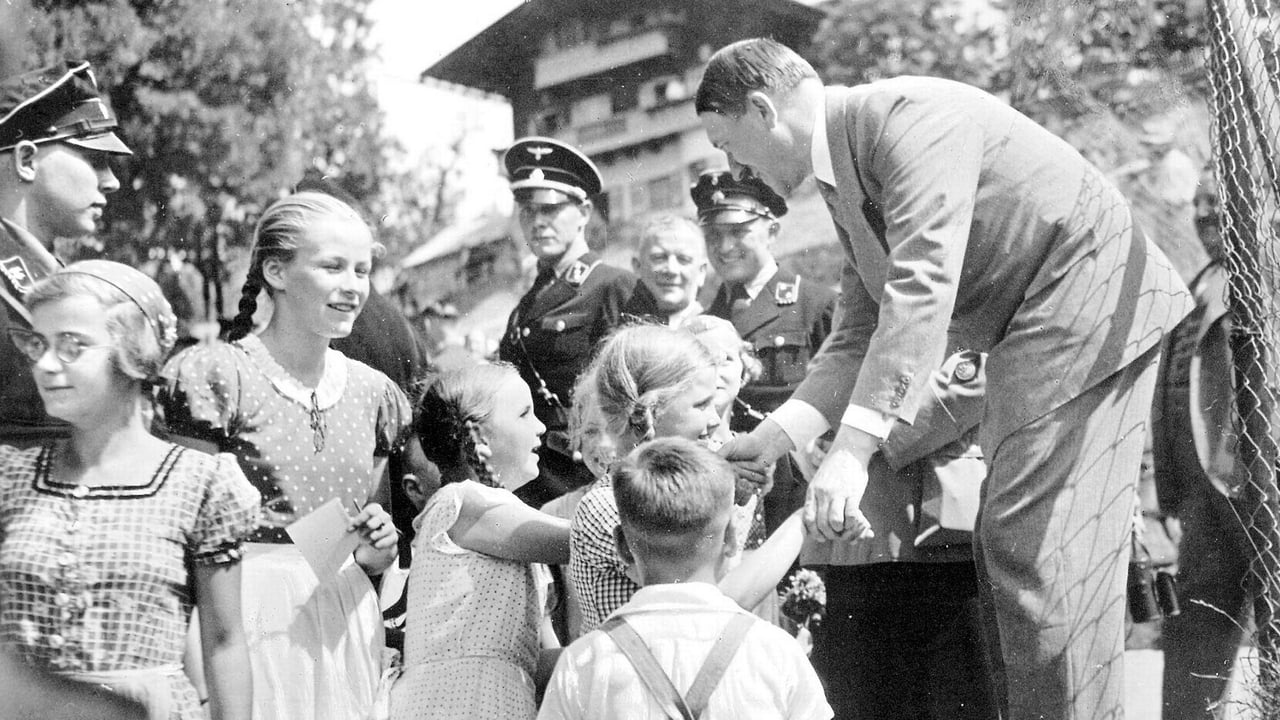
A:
[642,308]
[965,225]
[785,323]
[553,331]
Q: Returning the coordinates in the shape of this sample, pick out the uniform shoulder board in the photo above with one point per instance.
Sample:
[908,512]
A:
[578,272]
[15,268]
[787,293]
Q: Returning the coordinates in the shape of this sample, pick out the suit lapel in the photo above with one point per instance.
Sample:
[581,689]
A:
[863,246]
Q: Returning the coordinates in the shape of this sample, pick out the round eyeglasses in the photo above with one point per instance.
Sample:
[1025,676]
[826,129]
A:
[66,347]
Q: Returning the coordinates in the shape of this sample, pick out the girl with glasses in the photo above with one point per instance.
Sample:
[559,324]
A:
[110,538]
[309,426]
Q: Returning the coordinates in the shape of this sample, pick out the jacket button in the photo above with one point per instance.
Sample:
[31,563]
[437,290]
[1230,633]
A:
[966,371]
[524,332]
[559,325]
[779,341]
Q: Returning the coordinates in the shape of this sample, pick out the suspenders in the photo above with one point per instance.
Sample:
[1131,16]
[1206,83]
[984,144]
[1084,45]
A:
[656,680]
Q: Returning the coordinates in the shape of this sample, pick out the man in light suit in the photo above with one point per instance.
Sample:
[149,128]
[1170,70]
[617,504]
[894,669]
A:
[967,226]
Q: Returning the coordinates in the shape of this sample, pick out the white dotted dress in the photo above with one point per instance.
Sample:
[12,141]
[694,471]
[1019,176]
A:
[471,640]
[315,646]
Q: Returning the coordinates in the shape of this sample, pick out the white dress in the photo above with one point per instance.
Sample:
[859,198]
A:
[471,639]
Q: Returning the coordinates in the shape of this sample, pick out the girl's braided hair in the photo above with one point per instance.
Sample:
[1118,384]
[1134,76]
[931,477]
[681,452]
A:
[277,235]
[452,406]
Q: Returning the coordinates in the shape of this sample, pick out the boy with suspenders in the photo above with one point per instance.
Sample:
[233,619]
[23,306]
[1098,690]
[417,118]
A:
[679,631]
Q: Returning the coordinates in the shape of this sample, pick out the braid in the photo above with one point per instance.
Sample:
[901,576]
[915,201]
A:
[449,412]
[242,324]
[471,441]
[641,420]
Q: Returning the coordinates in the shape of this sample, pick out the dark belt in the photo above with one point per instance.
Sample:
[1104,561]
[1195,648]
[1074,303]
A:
[271,536]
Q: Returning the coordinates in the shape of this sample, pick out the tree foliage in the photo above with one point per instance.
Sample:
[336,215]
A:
[226,103]
[1055,60]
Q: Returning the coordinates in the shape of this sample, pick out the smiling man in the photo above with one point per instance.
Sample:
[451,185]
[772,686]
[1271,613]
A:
[965,225]
[672,265]
[56,139]
[785,317]
[575,300]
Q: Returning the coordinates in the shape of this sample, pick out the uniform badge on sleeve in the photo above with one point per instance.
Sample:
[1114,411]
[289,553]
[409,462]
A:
[15,268]
[787,293]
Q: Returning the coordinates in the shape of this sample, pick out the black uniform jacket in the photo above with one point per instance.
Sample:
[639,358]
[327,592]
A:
[554,330]
[786,323]
[22,415]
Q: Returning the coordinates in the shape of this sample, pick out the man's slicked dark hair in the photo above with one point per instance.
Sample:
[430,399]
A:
[744,66]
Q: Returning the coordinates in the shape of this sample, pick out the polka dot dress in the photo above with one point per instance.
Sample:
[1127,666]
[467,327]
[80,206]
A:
[471,640]
[315,644]
[298,446]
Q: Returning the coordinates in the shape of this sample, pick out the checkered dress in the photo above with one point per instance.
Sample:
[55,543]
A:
[598,575]
[97,579]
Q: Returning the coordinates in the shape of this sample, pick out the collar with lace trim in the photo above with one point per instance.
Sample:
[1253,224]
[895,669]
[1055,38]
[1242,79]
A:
[333,381]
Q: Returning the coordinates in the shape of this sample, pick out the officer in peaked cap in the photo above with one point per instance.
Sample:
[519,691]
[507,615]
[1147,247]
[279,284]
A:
[574,302]
[56,135]
[783,316]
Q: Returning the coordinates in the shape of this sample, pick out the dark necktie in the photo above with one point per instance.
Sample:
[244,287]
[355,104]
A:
[739,300]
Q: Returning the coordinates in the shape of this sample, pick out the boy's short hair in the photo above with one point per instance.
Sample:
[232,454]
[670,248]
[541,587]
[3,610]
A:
[744,66]
[672,487]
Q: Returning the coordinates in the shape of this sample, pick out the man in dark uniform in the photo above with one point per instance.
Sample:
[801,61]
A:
[56,136]
[671,263]
[783,316]
[574,302]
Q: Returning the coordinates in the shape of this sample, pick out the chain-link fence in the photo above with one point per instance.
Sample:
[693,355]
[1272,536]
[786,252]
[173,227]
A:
[1244,73]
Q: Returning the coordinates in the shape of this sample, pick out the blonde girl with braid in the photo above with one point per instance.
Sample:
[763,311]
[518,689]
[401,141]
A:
[476,597]
[655,381]
[309,426]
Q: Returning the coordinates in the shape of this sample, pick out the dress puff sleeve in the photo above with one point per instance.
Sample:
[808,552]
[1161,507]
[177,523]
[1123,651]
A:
[228,512]
[200,393]
[395,419]
[437,518]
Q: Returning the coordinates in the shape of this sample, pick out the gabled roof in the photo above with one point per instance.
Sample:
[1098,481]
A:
[459,237]
[507,46]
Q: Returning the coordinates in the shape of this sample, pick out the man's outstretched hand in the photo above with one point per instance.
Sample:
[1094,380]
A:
[831,501]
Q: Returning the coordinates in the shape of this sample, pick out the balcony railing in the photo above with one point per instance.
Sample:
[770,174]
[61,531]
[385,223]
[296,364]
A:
[633,127]
[591,58]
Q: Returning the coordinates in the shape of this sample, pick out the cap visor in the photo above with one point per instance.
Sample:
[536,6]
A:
[543,196]
[731,216]
[106,142]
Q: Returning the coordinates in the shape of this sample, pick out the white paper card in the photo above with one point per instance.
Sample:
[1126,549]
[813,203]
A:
[323,540]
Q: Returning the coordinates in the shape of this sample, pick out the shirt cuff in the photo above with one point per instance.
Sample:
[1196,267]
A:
[800,421]
[872,422]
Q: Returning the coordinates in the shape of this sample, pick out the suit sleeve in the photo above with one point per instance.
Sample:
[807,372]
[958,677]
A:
[830,379]
[952,408]
[926,159]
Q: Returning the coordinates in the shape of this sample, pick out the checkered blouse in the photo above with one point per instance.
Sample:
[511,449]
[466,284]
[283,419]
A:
[97,579]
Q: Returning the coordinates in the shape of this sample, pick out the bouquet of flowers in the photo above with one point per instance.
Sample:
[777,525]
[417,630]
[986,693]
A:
[804,601]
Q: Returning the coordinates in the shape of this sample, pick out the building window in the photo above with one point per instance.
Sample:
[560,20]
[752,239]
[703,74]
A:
[664,193]
[668,91]
[569,34]
[549,121]
[625,97]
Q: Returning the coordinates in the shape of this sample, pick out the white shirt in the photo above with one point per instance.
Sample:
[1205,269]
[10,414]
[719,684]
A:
[799,420]
[769,677]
